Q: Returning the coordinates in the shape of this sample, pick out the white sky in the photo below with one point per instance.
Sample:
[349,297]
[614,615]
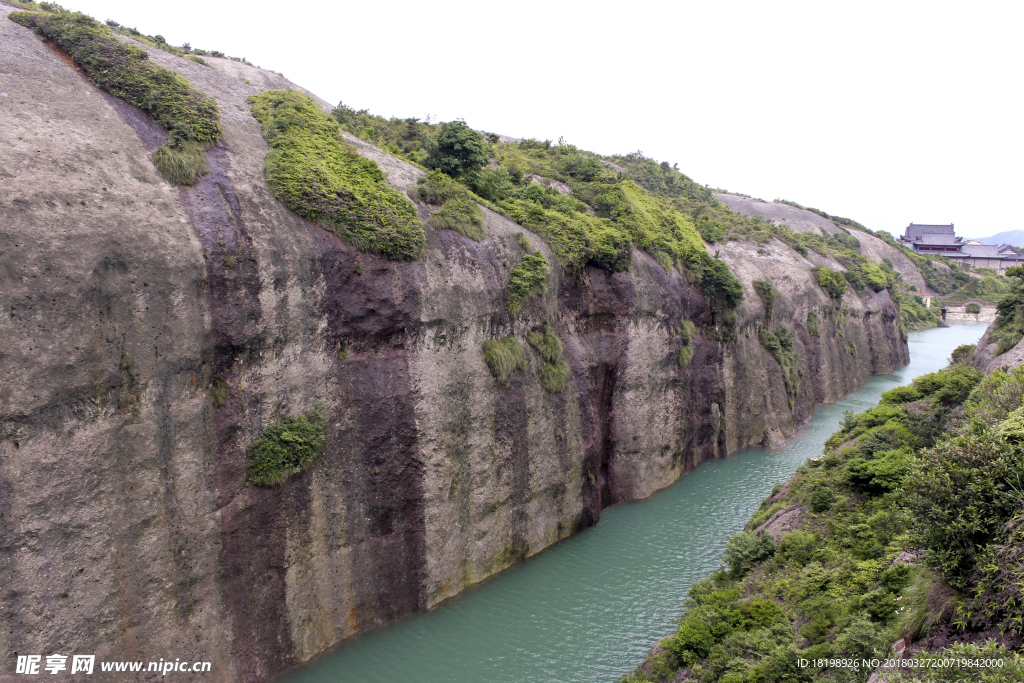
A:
[884,112]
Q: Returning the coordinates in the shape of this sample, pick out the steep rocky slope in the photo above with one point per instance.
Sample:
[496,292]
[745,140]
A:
[128,531]
[802,220]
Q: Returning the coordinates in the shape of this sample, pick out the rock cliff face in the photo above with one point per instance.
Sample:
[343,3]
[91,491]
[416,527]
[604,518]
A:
[127,529]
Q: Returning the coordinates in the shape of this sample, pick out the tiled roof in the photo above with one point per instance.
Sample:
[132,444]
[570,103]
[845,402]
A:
[949,239]
[922,227]
[981,250]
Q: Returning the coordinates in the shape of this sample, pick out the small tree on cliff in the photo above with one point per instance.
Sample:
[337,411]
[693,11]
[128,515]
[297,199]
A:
[459,150]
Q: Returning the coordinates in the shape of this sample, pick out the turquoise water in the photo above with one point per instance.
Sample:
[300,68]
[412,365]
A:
[589,608]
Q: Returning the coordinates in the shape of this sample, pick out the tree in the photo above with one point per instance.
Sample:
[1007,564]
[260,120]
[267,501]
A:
[459,150]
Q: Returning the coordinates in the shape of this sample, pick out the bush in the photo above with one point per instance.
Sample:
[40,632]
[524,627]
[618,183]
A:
[721,288]
[744,550]
[523,242]
[436,188]
[831,282]
[527,281]
[494,184]
[286,447]
[125,71]
[767,293]
[964,490]
[458,150]
[319,176]
[900,395]
[963,353]
[973,309]
[813,324]
[949,386]
[711,232]
[459,212]
[503,357]
[822,499]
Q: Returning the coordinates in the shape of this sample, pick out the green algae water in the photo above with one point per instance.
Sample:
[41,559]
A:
[588,609]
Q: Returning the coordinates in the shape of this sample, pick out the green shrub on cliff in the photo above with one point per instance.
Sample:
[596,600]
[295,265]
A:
[319,176]
[503,357]
[527,281]
[459,211]
[831,282]
[813,324]
[548,345]
[779,343]
[458,150]
[125,71]
[554,374]
[589,214]
[286,447]
[767,294]
[1008,329]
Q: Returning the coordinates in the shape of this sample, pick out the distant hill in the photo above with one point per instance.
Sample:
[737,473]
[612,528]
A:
[1014,237]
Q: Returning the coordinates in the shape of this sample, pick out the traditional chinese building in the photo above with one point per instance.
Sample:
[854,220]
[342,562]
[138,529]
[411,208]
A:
[941,240]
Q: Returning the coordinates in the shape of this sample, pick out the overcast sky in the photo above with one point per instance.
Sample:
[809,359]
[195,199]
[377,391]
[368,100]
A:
[884,112]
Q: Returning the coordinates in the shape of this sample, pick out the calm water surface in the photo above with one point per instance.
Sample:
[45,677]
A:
[588,609]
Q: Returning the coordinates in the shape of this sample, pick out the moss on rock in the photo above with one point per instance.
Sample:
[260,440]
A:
[319,176]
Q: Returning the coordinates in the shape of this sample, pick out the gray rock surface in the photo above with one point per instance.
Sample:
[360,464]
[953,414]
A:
[797,219]
[128,531]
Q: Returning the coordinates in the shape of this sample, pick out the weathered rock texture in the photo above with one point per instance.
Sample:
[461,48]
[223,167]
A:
[801,220]
[127,530]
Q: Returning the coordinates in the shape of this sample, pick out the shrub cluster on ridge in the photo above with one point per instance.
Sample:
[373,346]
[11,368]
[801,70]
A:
[318,175]
[126,72]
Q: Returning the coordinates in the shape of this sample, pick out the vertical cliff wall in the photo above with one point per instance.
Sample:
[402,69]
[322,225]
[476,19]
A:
[127,529]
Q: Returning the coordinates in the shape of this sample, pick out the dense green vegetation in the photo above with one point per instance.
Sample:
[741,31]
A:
[527,281]
[831,281]
[1008,329]
[594,214]
[286,447]
[458,150]
[459,210]
[935,468]
[125,71]
[319,176]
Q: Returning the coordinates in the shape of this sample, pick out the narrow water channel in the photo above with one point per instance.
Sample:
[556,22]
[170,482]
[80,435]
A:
[588,609]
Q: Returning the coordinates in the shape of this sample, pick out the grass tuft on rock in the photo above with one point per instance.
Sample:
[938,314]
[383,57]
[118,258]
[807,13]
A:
[459,212]
[527,281]
[126,72]
[463,216]
[319,176]
[503,357]
[286,447]
[554,376]
[548,345]
[183,165]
